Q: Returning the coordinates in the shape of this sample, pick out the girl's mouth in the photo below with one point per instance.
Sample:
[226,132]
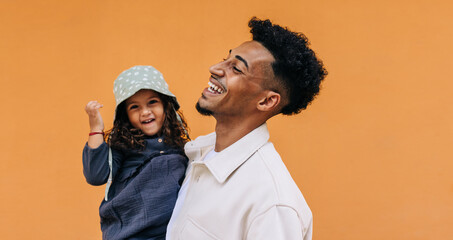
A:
[147,121]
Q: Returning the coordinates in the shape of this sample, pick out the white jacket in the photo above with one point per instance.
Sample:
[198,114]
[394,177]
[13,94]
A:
[243,192]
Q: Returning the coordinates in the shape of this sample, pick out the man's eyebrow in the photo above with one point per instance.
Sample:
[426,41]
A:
[242,60]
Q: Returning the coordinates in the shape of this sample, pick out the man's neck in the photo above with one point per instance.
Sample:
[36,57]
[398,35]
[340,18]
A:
[228,132]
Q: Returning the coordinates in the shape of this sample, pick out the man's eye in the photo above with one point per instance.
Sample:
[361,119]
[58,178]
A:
[237,69]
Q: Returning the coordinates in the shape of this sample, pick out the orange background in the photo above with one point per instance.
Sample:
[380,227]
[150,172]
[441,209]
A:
[372,154]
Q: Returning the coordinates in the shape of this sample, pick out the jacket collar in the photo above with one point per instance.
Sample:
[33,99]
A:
[227,161]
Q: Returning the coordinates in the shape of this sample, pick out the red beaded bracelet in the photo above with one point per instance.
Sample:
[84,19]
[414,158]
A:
[94,133]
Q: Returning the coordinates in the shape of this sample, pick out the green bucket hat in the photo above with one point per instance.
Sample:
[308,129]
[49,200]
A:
[136,78]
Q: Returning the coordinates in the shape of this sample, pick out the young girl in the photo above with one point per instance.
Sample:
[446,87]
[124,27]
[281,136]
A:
[142,160]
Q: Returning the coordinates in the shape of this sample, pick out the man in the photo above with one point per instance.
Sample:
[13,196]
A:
[236,185]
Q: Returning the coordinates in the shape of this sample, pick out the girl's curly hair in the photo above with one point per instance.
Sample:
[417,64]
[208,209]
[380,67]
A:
[125,137]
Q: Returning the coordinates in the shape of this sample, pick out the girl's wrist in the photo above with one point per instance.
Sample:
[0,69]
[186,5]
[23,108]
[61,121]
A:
[97,129]
[96,133]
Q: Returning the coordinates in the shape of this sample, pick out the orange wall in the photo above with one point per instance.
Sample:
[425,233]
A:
[372,155]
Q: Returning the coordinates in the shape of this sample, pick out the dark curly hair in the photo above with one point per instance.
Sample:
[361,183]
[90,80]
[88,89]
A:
[297,70]
[125,137]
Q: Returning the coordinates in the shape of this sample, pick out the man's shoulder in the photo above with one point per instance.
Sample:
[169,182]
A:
[274,170]
[270,183]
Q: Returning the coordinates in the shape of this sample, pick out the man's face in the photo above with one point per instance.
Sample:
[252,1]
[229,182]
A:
[235,85]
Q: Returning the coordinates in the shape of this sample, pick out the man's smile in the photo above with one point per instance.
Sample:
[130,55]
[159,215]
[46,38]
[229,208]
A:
[213,88]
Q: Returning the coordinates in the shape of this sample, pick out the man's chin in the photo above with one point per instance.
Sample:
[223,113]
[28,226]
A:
[203,111]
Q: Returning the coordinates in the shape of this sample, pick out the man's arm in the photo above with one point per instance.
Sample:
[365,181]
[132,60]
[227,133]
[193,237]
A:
[279,222]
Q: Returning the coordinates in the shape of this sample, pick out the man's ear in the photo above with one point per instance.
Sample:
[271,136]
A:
[269,102]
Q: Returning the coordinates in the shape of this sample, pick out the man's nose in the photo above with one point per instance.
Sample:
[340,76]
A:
[217,69]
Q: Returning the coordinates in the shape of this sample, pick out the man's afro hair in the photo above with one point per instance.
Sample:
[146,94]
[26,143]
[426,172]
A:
[296,67]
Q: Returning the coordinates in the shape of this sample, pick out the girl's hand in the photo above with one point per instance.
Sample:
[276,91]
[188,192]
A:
[95,118]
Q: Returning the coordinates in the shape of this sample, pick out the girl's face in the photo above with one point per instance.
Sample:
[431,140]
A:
[146,111]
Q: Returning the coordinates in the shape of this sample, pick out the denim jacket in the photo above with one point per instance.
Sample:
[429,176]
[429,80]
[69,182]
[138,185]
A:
[144,188]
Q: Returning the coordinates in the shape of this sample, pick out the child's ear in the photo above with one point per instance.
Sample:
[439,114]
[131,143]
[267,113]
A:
[269,102]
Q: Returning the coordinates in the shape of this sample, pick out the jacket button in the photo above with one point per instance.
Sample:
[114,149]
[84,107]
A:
[159,140]
[161,151]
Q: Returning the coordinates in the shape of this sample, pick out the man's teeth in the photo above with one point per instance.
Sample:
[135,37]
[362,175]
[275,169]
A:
[213,88]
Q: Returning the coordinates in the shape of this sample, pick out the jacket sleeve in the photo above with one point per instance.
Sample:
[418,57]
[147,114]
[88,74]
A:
[279,222]
[96,165]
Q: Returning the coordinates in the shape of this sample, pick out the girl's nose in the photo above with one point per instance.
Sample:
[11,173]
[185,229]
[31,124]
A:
[146,111]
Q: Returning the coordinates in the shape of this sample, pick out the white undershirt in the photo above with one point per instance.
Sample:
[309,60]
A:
[183,192]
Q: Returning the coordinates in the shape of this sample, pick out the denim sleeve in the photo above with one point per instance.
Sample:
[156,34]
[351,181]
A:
[96,165]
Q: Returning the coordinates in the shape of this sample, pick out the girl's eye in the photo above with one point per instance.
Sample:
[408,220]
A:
[133,107]
[152,101]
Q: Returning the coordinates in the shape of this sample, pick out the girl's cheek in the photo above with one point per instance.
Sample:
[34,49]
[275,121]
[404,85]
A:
[162,121]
